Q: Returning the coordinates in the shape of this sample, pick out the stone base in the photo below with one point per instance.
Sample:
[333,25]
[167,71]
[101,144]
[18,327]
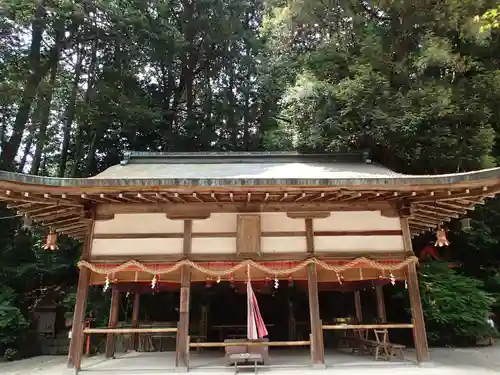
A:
[319,366]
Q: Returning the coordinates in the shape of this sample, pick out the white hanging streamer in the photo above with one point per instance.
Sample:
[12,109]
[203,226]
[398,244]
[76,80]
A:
[106,284]
[392,278]
[154,282]
[276,283]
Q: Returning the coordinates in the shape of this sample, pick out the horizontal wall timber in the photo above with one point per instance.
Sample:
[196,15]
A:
[200,209]
[264,234]
[284,256]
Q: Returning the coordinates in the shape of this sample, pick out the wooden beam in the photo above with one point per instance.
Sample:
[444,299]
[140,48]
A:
[162,198]
[308,215]
[421,224]
[341,327]
[62,221]
[309,236]
[430,218]
[382,315]
[112,322]
[265,257]
[55,213]
[208,207]
[127,198]
[192,216]
[68,228]
[358,306]
[126,331]
[440,210]
[187,237]
[76,343]
[317,349]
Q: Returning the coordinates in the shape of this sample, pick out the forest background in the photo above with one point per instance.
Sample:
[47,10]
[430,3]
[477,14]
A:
[417,83]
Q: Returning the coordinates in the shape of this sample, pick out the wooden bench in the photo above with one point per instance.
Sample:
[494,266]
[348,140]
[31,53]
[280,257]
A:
[262,350]
[244,360]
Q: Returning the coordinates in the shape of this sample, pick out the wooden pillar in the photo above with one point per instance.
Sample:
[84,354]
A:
[77,337]
[419,333]
[358,306]
[382,315]
[112,322]
[135,320]
[182,350]
[317,349]
[316,329]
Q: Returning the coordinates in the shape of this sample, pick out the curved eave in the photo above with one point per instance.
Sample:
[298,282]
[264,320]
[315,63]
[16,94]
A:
[475,178]
[59,202]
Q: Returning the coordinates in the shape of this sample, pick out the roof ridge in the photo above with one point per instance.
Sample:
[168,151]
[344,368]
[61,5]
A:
[241,156]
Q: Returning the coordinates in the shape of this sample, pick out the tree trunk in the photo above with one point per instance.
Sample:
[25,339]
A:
[247,88]
[88,97]
[27,148]
[44,122]
[89,161]
[70,115]
[37,72]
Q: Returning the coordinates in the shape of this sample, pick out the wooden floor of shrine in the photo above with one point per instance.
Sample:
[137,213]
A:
[280,359]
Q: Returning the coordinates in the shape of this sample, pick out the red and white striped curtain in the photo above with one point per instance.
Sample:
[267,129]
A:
[256,328]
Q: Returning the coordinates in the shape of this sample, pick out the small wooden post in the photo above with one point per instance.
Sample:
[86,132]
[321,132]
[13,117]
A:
[419,333]
[382,315]
[77,337]
[112,322]
[358,306]
[135,320]
[182,350]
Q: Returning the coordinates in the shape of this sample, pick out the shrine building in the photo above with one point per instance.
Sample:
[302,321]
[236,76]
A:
[177,220]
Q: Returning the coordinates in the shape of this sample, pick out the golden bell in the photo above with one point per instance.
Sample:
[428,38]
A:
[51,241]
[441,239]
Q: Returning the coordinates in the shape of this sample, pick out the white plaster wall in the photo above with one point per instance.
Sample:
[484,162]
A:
[217,222]
[356,220]
[280,222]
[214,245]
[283,244]
[139,223]
[359,243]
[136,246]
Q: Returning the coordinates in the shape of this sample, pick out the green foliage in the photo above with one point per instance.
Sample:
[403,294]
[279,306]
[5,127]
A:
[490,19]
[455,306]
[12,321]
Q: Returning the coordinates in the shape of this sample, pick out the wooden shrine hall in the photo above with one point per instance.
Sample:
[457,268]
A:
[182,218]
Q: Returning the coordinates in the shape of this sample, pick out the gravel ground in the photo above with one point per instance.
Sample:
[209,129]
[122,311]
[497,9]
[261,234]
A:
[444,361]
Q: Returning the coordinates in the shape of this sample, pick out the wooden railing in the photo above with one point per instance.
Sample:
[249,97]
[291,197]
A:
[128,330]
[367,326]
[247,343]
